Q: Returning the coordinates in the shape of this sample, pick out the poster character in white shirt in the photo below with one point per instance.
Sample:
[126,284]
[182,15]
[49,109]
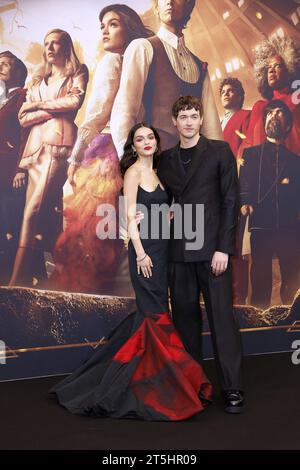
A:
[155,72]
[84,262]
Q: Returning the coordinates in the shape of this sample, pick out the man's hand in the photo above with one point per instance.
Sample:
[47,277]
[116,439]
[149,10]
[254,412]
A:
[219,262]
[246,209]
[71,174]
[139,216]
[19,180]
[171,215]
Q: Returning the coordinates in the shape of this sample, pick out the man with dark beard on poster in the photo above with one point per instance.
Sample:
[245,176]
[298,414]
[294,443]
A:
[270,189]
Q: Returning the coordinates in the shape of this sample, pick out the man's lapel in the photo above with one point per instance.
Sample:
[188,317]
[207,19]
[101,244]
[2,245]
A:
[174,168]
[198,160]
[180,178]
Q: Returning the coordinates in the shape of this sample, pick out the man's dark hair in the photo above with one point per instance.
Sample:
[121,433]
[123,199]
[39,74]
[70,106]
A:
[187,102]
[236,85]
[19,68]
[285,109]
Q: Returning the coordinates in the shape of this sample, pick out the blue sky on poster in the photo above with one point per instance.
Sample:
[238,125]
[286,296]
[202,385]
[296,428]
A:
[33,18]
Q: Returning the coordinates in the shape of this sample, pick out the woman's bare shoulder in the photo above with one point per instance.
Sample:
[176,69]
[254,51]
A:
[132,174]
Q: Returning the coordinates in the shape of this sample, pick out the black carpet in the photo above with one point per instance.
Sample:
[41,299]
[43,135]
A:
[32,420]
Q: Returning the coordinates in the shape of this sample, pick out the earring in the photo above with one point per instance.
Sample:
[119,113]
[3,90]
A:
[134,153]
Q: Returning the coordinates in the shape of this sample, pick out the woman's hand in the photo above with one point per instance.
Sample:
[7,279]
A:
[145,265]
[71,174]
[19,180]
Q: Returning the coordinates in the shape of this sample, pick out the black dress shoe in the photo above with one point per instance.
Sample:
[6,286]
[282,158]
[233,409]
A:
[234,401]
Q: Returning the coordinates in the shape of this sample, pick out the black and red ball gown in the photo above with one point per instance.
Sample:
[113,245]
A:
[143,371]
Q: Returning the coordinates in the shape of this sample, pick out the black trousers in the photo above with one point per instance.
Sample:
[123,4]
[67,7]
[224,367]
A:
[187,281]
[264,244]
[240,267]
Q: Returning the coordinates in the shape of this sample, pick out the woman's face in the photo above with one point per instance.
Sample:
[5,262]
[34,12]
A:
[54,49]
[277,73]
[144,142]
[113,33]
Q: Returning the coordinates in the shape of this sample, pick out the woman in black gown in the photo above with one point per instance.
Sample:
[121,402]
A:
[143,370]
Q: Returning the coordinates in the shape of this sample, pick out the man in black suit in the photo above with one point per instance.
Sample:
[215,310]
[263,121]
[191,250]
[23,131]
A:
[196,172]
[270,193]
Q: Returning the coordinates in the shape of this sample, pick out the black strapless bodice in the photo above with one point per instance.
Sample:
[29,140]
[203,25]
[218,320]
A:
[154,227]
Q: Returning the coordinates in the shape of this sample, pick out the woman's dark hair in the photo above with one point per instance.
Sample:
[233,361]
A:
[133,23]
[128,158]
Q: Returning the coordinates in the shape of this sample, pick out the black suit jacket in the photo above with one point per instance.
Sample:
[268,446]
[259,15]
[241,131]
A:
[211,180]
[270,183]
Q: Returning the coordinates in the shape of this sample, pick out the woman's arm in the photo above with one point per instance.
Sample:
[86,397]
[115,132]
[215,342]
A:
[34,112]
[105,86]
[131,183]
[125,113]
[30,114]
[73,99]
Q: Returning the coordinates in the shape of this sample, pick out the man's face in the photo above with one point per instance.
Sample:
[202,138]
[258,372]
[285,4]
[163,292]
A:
[277,73]
[171,11]
[6,69]
[276,124]
[229,98]
[188,123]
